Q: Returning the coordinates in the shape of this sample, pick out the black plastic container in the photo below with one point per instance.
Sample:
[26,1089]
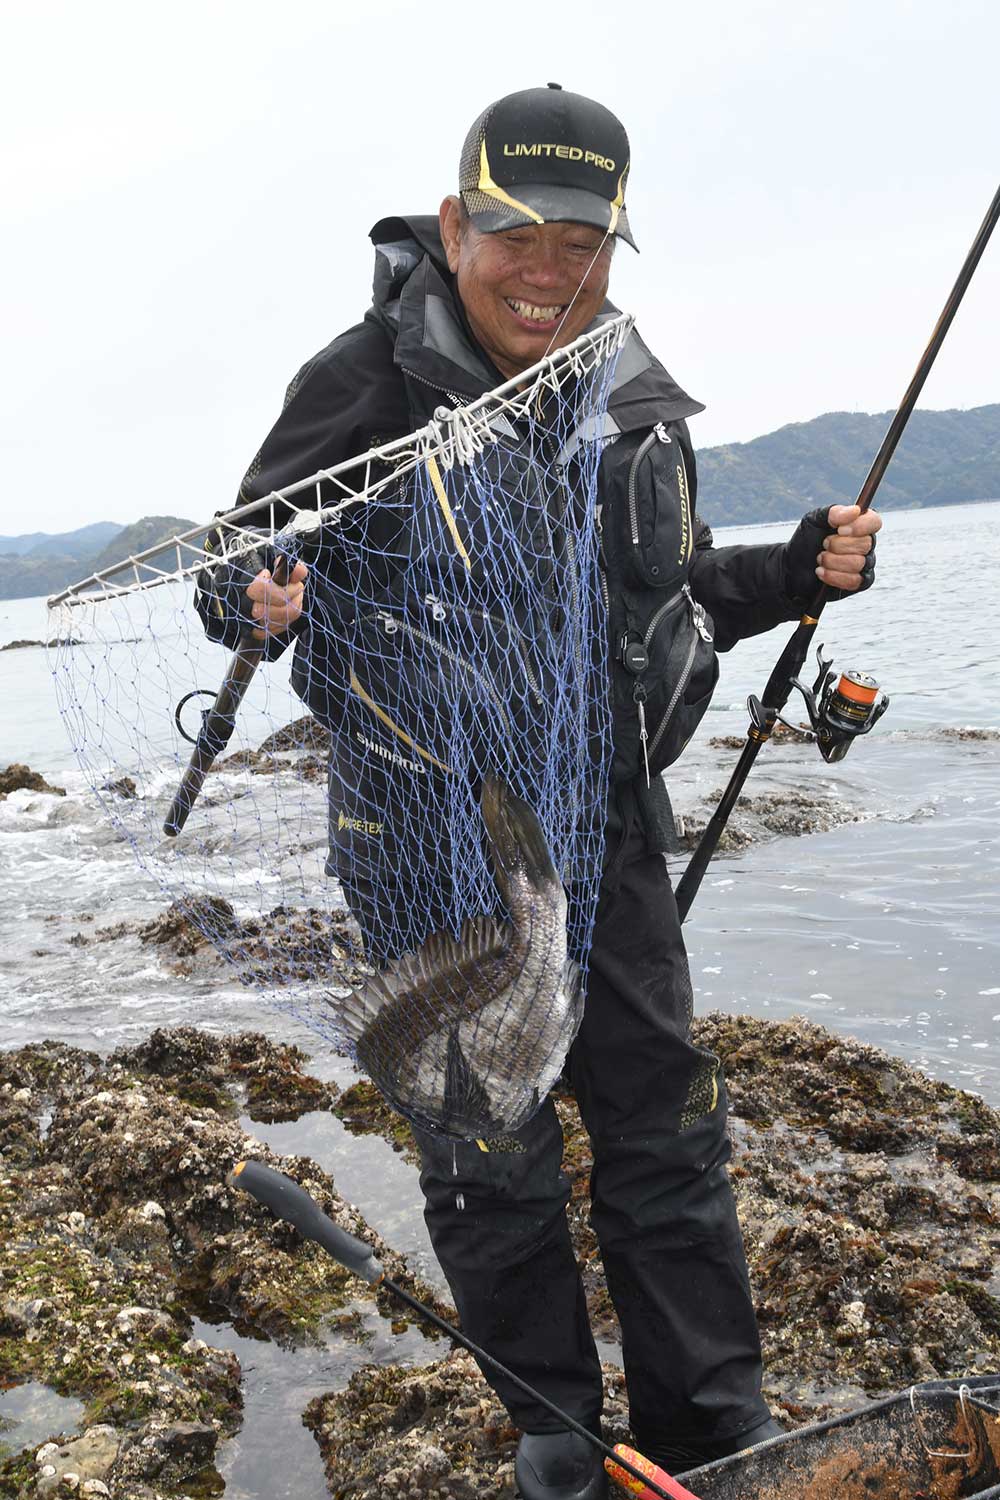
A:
[939,1441]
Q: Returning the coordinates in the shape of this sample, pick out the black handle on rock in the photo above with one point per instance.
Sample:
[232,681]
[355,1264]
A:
[288,1201]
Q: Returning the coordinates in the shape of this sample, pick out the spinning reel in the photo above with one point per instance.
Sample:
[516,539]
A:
[840,708]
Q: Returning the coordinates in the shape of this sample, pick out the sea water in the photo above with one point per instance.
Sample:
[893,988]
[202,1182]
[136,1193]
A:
[886,928]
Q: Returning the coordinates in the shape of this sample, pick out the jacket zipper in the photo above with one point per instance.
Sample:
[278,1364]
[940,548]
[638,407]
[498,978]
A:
[697,615]
[602,572]
[452,395]
[664,609]
[391,624]
[659,434]
[515,637]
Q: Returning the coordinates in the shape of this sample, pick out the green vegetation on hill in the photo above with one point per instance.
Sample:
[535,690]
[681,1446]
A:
[132,540]
[943,458]
[53,562]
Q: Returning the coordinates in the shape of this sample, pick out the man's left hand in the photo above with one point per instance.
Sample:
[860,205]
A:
[841,563]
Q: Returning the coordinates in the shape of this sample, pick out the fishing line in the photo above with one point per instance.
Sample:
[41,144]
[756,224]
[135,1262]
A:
[583,279]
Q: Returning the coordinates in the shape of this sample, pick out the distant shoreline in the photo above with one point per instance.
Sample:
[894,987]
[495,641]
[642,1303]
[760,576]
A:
[894,510]
[717,527]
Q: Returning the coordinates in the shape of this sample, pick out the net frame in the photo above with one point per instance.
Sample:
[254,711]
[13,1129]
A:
[453,436]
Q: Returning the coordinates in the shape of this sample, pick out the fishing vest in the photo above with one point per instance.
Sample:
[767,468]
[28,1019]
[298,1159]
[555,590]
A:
[661,656]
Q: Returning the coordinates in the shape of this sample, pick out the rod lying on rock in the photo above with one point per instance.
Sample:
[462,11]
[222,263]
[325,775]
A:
[288,1201]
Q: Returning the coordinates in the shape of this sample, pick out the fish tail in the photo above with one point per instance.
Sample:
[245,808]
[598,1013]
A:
[516,837]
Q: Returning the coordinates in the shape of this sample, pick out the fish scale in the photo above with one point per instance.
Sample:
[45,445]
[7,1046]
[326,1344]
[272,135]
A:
[465,1035]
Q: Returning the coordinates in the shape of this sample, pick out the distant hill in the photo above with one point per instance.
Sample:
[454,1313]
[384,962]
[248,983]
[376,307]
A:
[943,458]
[66,544]
[50,562]
[132,540]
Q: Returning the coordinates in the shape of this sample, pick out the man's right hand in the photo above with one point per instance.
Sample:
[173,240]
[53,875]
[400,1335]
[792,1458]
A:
[277,605]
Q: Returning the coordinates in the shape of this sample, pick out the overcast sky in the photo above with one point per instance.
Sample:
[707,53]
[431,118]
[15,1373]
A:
[187,190]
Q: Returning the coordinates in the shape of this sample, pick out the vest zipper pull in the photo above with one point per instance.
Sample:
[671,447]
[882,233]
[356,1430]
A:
[639,696]
[697,615]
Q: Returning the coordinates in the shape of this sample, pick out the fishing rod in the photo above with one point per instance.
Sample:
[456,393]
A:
[840,709]
[219,721]
[288,1201]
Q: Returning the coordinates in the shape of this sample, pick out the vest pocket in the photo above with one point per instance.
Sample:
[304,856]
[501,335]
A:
[659,706]
[658,512]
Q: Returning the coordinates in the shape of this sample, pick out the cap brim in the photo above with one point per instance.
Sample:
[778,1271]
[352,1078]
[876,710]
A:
[554,205]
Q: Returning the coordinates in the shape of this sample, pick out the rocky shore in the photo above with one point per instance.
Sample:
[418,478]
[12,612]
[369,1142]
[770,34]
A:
[869,1197]
[117,1228]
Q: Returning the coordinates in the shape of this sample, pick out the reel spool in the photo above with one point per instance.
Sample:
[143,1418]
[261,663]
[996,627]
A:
[840,707]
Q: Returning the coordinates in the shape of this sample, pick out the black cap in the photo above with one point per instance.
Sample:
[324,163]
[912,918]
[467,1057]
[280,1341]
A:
[545,156]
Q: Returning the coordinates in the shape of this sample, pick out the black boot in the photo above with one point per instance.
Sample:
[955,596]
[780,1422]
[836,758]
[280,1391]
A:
[558,1466]
[679,1458]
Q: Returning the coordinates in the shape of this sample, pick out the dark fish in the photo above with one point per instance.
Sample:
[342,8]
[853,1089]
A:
[467,1036]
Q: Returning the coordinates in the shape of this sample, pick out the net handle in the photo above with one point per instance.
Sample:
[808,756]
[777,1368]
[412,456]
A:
[219,721]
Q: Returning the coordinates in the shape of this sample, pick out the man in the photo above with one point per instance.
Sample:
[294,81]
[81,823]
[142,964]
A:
[518,264]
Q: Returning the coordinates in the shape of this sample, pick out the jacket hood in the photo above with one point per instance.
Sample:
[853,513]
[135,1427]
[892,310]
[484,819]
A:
[415,300]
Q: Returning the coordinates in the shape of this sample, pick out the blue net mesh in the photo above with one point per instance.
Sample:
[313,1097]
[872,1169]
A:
[401,832]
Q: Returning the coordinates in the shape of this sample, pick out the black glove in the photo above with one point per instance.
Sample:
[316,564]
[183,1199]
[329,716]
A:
[801,552]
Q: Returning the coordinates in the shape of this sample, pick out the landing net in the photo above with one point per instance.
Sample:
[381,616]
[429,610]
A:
[410,787]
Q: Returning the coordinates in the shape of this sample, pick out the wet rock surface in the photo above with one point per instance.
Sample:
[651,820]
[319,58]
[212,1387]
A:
[870,1202]
[117,1226]
[781,734]
[124,787]
[286,945]
[869,1197]
[302,747]
[18,777]
[48,645]
[783,812]
[968,733]
[435,1431]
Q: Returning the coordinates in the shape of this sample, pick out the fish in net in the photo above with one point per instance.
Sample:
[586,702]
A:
[393,825]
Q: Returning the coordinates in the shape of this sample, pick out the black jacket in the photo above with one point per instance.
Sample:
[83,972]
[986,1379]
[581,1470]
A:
[413,350]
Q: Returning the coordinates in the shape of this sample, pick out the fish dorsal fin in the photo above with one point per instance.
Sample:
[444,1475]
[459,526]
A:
[482,938]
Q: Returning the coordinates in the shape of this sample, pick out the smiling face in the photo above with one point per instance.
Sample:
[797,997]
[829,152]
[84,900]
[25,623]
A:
[516,284]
